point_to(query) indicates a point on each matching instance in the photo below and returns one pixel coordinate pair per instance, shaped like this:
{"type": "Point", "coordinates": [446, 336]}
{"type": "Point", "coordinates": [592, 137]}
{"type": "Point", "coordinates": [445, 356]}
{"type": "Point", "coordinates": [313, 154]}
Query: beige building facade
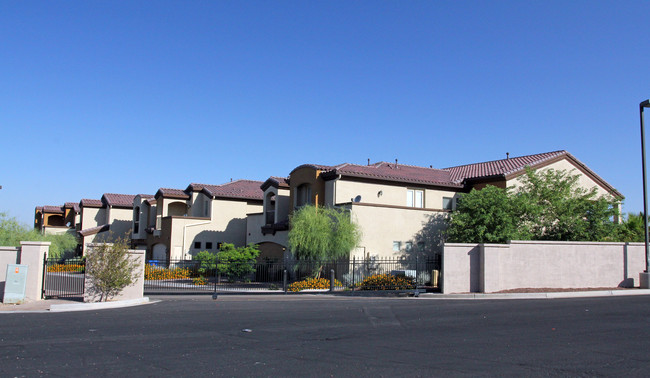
{"type": "Point", "coordinates": [176, 224]}
{"type": "Point", "coordinates": [401, 209]}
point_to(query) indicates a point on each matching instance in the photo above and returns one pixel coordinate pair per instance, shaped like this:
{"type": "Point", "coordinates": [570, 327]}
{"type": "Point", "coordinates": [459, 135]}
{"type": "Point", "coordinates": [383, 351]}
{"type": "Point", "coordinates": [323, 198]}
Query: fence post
{"type": "Point", "coordinates": [43, 277]}
{"type": "Point", "coordinates": [354, 260]}
{"type": "Point", "coordinates": [284, 281]}
{"type": "Point", "coordinates": [417, 271]}
{"type": "Point", "coordinates": [331, 280]}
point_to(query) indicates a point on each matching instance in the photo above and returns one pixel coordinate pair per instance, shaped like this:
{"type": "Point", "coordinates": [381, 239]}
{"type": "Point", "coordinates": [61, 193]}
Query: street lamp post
{"type": "Point", "coordinates": [645, 276]}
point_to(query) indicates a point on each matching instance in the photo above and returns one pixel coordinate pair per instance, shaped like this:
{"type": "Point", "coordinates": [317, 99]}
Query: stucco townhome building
{"type": "Point", "coordinates": [106, 219]}
{"type": "Point", "coordinates": [400, 208]}
{"type": "Point", "coordinates": [57, 219]}
{"type": "Point", "coordinates": [175, 224]}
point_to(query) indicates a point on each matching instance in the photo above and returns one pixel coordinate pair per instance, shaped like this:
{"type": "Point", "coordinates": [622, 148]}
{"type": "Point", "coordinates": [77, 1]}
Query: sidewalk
{"type": "Point", "coordinates": [65, 305]}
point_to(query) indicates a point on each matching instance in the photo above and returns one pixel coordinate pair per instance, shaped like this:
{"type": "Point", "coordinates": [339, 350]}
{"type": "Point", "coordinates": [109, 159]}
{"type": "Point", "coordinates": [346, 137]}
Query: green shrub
{"type": "Point", "coordinates": [207, 262]}
{"type": "Point", "coordinates": [237, 262]}
{"type": "Point", "coordinates": [387, 282]}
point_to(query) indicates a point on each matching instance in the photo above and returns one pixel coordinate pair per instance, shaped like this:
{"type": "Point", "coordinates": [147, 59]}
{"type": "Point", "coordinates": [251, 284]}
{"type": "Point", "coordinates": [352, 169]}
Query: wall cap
{"type": "Point", "coordinates": [36, 243]}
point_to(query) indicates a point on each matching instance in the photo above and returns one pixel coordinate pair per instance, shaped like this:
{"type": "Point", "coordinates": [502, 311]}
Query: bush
{"type": "Point", "coordinates": [110, 269]}
{"type": "Point", "coordinates": [200, 281]}
{"type": "Point", "coordinates": [152, 272]}
{"type": "Point", "coordinates": [387, 282]}
{"type": "Point", "coordinates": [313, 283]}
{"type": "Point", "coordinates": [60, 268]}
{"type": "Point", "coordinates": [207, 262]}
{"type": "Point", "coordinates": [237, 262]}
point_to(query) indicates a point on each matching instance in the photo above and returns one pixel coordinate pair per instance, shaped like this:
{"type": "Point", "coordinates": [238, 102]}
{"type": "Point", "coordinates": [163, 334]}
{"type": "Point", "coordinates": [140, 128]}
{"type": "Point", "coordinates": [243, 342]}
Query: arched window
{"type": "Point", "coordinates": [270, 208]}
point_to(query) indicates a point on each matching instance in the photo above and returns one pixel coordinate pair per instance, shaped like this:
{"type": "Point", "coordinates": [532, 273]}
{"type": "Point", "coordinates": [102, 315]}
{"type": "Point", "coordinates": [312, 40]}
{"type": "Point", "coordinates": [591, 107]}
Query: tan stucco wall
{"type": "Point", "coordinates": [227, 225]}
{"type": "Point", "coordinates": [537, 264]}
{"type": "Point", "coordinates": [394, 195]}
{"type": "Point", "coordinates": [310, 176]}
{"type": "Point", "coordinates": [254, 223]}
{"type": "Point", "coordinates": [381, 226]}
{"type": "Point", "coordinates": [93, 217]}
{"type": "Point", "coordinates": [121, 221]}
{"type": "Point", "coordinates": [564, 165]}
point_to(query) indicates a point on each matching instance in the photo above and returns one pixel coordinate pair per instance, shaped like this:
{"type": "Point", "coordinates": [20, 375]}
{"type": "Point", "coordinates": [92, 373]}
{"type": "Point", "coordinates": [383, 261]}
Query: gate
{"type": "Point", "coordinates": [196, 277]}
{"type": "Point", "coordinates": [63, 278]}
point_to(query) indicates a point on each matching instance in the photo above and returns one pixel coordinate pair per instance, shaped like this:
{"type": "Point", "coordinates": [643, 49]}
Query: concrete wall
{"type": "Point", "coordinates": [381, 226]}
{"type": "Point", "coordinates": [491, 268]}
{"type": "Point", "coordinates": [32, 255]}
{"type": "Point", "coordinates": [133, 291]}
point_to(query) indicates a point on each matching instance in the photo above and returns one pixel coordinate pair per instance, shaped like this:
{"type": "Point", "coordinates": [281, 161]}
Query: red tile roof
{"type": "Point", "coordinates": [396, 172]}
{"type": "Point", "coordinates": [119, 200]}
{"type": "Point", "coordinates": [243, 189]}
{"type": "Point", "coordinates": [52, 209]}
{"type": "Point", "coordinates": [73, 205]}
{"type": "Point", "coordinates": [172, 193]}
{"type": "Point", "coordinates": [91, 203]}
{"type": "Point", "coordinates": [278, 182]}
{"type": "Point", "coordinates": [94, 230]}
{"type": "Point", "coordinates": [503, 167]}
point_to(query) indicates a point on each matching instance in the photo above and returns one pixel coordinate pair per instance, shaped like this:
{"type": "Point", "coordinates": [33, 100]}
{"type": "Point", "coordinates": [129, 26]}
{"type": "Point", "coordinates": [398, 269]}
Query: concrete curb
{"type": "Point", "coordinates": [98, 305]}
{"type": "Point", "coordinates": [550, 295]}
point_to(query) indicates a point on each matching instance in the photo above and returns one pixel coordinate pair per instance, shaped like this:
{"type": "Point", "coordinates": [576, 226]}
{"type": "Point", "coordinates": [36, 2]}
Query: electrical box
{"type": "Point", "coordinates": [15, 284]}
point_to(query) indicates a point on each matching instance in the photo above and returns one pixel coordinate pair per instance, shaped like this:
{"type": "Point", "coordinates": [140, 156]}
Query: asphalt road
{"type": "Point", "coordinates": [334, 336]}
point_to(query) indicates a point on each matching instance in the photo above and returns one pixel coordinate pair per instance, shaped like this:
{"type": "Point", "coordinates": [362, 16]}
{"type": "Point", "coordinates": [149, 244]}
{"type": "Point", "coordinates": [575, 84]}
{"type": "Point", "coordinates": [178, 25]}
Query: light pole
{"type": "Point", "coordinates": [645, 276]}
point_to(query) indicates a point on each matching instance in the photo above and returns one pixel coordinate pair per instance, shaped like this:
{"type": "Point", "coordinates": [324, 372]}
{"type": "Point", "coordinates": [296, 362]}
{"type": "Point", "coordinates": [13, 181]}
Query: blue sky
{"type": "Point", "coordinates": [127, 97]}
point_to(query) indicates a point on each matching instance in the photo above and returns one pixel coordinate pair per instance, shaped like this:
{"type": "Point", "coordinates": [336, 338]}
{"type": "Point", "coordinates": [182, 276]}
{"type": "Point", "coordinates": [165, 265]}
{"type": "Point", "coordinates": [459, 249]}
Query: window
{"type": "Point", "coordinates": [303, 195]}
{"type": "Point", "coordinates": [197, 245]}
{"type": "Point", "coordinates": [208, 245]}
{"type": "Point", "coordinates": [447, 203]}
{"type": "Point", "coordinates": [397, 246]}
{"type": "Point", "coordinates": [414, 198]}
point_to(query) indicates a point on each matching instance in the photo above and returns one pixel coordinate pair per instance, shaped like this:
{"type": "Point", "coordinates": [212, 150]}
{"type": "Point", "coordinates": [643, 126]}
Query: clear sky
{"type": "Point", "coordinates": [130, 96]}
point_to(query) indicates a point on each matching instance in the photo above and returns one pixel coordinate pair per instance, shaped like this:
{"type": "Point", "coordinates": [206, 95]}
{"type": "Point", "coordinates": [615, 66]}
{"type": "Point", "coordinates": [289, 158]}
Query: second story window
{"type": "Point", "coordinates": [303, 195]}
{"type": "Point", "coordinates": [270, 208]}
{"type": "Point", "coordinates": [447, 203]}
{"type": "Point", "coordinates": [415, 198]}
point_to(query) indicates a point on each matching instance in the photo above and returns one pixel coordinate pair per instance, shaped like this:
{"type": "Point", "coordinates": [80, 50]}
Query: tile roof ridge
{"type": "Point", "coordinates": [555, 153]}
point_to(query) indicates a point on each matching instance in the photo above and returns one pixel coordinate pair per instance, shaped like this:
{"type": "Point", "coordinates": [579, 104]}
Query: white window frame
{"type": "Point", "coordinates": [415, 198]}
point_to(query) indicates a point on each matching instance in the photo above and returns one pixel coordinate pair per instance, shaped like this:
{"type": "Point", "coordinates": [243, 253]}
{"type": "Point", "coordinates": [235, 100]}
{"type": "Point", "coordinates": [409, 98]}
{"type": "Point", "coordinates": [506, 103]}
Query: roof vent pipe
{"type": "Point", "coordinates": [395, 163]}
{"type": "Point", "coordinates": [507, 155]}
{"type": "Point", "coordinates": [368, 161]}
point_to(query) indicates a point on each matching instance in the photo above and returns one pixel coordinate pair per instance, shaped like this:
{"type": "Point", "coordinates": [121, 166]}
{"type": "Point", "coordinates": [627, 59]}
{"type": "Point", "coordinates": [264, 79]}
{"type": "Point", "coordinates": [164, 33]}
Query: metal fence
{"type": "Point", "coordinates": [191, 276]}
{"type": "Point", "coordinates": [63, 278]}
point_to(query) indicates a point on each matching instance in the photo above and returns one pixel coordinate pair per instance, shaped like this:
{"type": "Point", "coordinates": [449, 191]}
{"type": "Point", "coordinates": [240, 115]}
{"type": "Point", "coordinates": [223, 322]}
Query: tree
{"type": "Point", "coordinates": [237, 262]}
{"type": "Point", "coordinates": [12, 233]}
{"type": "Point", "coordinates": [548, 205]}
{"type": "Point", "coordinates": [556, 207]}
{"type": "Point", "coordinates": [110, 268]}
{"type": "Point", "coordinates": [486, 216]}
{"type": "Point", "coordinates": [632, 229]}
{"type": "Point", "coordinates": [322, 233]}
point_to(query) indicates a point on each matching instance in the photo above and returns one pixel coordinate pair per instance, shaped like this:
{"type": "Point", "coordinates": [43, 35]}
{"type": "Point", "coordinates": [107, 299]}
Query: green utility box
{"type": "Point", "coordinates": [15, 284]}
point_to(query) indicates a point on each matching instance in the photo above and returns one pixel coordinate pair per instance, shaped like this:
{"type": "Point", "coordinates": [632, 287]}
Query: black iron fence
{"type": "Point", "coordinates": [63, 278]}
{"type": "Point", "coordinates": [191, 276]}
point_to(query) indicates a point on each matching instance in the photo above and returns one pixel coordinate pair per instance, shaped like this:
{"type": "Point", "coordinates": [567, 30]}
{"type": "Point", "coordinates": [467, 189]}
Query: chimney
{"type": "Point", "coordinates": [396, 163]}
{"type": "Point", "coordinates": [507, 155]}
{"type": "Point", "coordinates": [368, 161]}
